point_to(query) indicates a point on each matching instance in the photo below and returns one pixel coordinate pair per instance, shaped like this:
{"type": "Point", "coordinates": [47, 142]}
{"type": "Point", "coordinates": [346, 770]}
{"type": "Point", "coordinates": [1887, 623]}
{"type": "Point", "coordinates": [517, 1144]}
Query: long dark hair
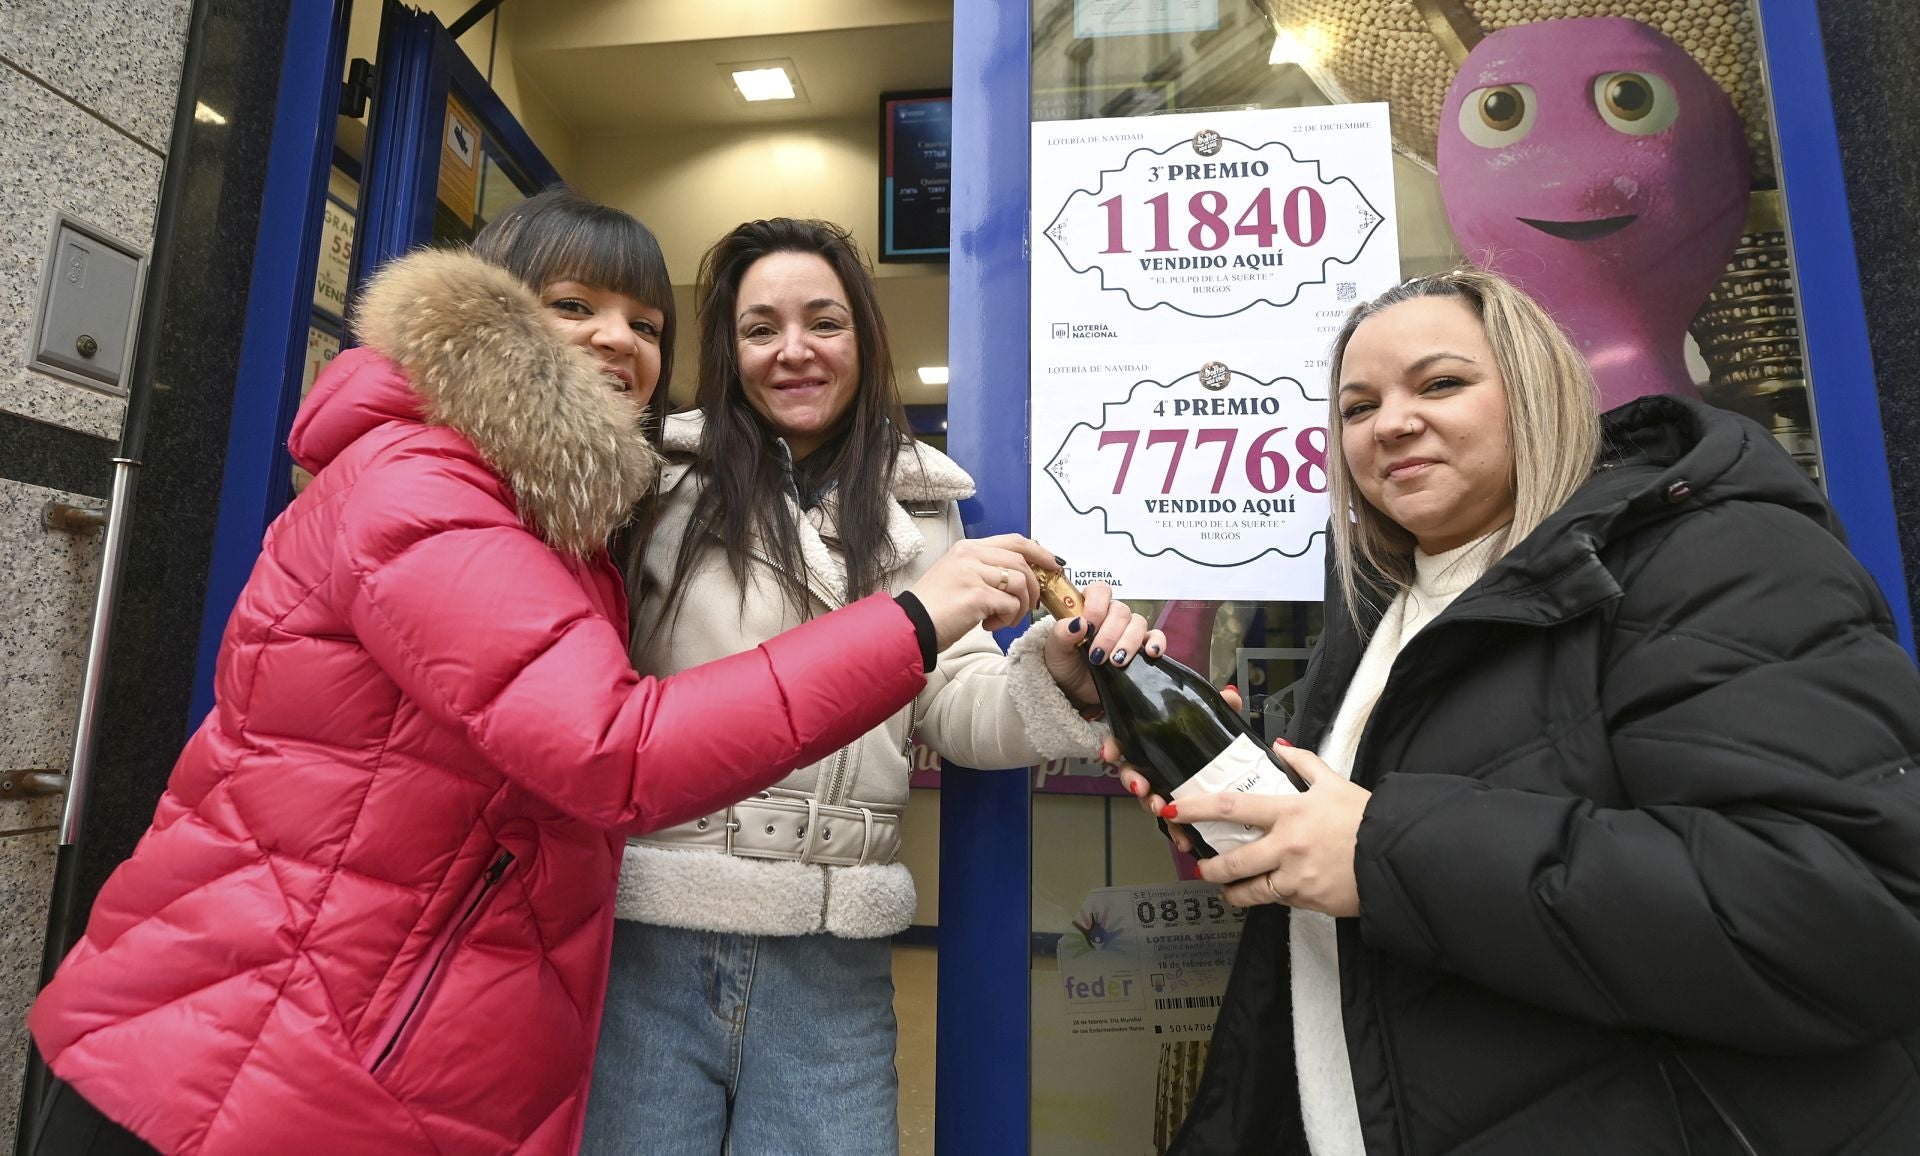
{"type": "Point", "coordinates": [559, 235]}
{"type": "Point", "coordinates": [744, 469]}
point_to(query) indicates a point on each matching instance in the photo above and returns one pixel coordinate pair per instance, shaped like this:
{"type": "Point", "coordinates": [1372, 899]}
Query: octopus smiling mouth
{"type": "Point", "coordinates": [1582, 230]}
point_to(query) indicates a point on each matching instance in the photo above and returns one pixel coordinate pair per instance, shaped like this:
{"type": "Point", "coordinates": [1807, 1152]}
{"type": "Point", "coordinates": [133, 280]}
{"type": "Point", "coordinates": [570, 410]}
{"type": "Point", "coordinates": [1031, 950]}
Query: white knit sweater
{"type": "Point", "coordinates": [1319, 1041]}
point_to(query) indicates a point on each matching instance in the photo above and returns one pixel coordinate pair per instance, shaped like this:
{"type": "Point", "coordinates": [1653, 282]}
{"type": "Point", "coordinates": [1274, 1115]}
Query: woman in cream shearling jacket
{"type": "Point", "coordinates": [831, 861]}
{"type": "Point", "coordinates": [750, 1004]}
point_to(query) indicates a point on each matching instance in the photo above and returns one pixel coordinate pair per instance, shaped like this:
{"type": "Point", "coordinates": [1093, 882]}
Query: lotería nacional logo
{"type": "Point", "coordinates": [1213, 375]}
{"type": "Point", "coordinates": [1078, 329]}
{"type": "Point", "coordinates": [1206, 142]}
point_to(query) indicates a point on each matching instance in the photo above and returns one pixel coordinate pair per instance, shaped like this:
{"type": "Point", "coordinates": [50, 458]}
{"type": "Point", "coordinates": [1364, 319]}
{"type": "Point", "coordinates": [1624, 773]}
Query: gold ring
{"type": "Point", "coordinates": [1005, 577]}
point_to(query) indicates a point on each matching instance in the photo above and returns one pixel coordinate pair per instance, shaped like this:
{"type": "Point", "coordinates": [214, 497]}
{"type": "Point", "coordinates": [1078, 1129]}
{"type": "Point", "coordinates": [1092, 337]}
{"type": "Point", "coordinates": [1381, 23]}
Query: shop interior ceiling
{"type": "Point", "coordinates": [587, 79]}
{"type": "Point", "coordinates": [620, 71]}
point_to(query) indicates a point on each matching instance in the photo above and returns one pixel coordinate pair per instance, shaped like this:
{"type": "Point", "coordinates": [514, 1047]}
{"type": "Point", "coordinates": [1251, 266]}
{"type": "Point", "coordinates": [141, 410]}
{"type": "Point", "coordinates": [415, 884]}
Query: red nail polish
{"type": "Point", "coordinates": [1137, 788]}
{"type": "Point", "coordinates": [1231, 687]}
{"type": "Point", "coordinates": [1170, 811]}
{"type": "Point", "coordinates": [1283, 742]}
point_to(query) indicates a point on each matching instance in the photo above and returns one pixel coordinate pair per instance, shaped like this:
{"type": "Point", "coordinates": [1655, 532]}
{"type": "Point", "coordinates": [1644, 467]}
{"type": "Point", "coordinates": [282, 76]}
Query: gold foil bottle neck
{"type": "Point", "coordinates": [1059, 595]}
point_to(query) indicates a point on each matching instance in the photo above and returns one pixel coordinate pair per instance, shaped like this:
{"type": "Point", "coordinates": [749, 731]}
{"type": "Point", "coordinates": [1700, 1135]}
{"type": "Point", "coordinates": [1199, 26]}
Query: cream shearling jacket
{"type": "Point", "coordinates": [820, 851]}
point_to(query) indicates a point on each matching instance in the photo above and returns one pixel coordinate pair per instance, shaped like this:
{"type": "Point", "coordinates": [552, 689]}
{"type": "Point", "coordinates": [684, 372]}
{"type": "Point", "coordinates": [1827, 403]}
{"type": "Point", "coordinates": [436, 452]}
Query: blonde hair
{"type": "Point", "coordinates": [1553, 426]}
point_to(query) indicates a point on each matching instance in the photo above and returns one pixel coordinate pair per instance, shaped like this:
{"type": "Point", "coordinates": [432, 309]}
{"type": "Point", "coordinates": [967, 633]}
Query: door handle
{"type": "Point", "coordinates": [72, 518]}
{"type": "Point", "coordinates": [32, 784]}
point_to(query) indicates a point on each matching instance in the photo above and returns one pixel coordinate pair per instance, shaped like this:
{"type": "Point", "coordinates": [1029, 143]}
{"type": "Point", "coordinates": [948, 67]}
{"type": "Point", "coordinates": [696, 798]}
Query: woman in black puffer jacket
{"type": "Point", "coordinates": [1613, 838]}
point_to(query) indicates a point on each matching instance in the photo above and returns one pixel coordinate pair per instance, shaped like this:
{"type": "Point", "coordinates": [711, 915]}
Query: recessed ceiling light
{"type": "Point", "coordinates": [758, 80]}
{"type": "Point", "coordinates": [764, 84]}
{"type": "Point", "coordinates": [933, 374]}
{"type": "Point", "coordinates": [206, 115]}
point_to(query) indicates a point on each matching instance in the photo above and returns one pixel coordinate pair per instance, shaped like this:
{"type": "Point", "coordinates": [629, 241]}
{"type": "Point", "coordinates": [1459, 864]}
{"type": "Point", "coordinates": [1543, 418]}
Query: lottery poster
{"type": "Point", "coordinates": [1189, 272]}
{"type": "Point", "coordinates": [1123, 1019]}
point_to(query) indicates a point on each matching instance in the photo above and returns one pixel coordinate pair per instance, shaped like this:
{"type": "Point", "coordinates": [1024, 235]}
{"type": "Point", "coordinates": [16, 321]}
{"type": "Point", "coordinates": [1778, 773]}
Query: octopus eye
{"type": "Point", "coordinates": [1502, 108]}
{"type": "Point", "coordinates": [1637, 103]}
{"type": "Point", "coordinates": [1498, 115]}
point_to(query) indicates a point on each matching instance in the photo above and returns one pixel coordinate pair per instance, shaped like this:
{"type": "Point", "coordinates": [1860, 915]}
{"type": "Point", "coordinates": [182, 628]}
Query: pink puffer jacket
{"type": "Point", "coordinates": [374, 909]}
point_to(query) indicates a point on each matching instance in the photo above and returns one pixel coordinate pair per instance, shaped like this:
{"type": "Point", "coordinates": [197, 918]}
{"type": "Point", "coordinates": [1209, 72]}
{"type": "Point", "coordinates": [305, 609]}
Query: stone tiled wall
{"type": "Point", "coordinates": [87, 96]}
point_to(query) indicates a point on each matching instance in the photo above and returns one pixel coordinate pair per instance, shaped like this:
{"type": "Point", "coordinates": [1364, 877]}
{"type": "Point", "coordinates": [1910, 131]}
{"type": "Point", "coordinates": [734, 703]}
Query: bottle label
{"type": "Point", "coordinates": [1242, 767]}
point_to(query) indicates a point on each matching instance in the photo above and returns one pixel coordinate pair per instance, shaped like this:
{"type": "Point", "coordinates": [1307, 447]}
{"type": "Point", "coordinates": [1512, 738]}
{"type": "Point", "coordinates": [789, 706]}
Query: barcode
{"type": "Point", "coordinates": [1186, 1001]}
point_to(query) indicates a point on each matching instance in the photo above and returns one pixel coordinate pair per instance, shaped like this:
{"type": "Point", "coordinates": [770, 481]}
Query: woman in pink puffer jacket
{"type": "Point", "coordinates": [373, 912]}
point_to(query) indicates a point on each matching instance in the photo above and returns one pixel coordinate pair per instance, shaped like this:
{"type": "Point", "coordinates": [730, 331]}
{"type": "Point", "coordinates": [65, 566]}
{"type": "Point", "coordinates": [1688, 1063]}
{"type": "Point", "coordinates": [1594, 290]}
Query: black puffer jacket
{"type": "Point", "coordinates": [1641, 870]}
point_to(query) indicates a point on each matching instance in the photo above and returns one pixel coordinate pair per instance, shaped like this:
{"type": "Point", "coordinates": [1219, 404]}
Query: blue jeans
{"type": "Point", "coordinates": [745, 1045]}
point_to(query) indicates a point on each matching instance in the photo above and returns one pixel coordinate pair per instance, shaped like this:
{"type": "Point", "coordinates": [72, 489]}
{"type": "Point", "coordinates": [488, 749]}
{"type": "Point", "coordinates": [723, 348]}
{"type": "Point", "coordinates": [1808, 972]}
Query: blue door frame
{"type": "Point", "coordinates": [257, 479]}
{"type": "Point", "coordinates": [418, 64]}
{"type": "Point", "coordinates": [981, 1097]}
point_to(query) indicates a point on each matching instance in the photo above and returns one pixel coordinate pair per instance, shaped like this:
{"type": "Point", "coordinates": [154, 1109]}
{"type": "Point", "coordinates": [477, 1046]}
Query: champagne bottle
{"type": "Point", "coordinates": [1176, 730]}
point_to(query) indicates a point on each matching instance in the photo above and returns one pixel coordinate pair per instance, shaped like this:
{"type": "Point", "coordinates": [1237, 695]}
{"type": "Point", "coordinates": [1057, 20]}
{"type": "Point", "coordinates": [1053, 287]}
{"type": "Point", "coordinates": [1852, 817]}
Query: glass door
{"type": "Point", "coordinates": [1772, 329]}
{"type": "Point", "coordinates": [444, 155]}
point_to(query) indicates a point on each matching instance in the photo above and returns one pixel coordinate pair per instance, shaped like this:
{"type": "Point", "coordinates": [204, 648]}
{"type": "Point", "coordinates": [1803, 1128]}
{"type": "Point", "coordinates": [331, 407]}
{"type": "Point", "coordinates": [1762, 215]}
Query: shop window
{"type": "Point", "coordinates": [1667, 163]}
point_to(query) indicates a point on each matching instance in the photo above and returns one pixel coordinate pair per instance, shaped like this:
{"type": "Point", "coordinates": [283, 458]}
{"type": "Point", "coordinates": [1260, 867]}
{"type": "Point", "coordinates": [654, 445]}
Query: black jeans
{"type": "Point", "coordinates": [69, 1126]}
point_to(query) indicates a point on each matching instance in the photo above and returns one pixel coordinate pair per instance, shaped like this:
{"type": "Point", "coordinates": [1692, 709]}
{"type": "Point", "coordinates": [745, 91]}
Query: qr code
{"type": "Point", "coordinates": [1344, 291]}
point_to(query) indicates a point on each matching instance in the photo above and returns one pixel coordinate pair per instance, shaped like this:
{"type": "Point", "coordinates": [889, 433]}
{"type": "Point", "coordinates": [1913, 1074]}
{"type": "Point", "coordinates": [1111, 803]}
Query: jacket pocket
{"type": "Point", "coordinates": [417, 995]}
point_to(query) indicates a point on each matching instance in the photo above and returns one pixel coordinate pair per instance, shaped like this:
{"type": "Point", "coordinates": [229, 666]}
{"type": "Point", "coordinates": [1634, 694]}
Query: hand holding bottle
{"type": "Point", "coordinates": [1305, 858]}
{"type": "Point", "coordinates": [1103, 630]}
{"type": "Point", "coordinates": [1141, 789]}
{"type": "Point", "coordinates": [1177, 731]}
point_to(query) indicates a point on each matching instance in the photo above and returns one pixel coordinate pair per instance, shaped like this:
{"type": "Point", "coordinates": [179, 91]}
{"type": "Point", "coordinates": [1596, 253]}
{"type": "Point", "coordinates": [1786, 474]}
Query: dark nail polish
{"type": "Point", "coordinates": [1059, 561]}
{"type": "Point", "coordinates": [1095, 655]}
{"type": "Point", "coordinates": [1154, 652]}
{"type": "Point", "coordinates": [1073, 627]}
{"type": "Point", "coordinates": [1120, 657]}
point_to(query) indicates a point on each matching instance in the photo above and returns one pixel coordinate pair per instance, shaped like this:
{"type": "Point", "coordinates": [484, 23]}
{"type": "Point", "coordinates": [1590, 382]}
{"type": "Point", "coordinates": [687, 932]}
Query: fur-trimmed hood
{"type": "Point", "coordinates": [479, 358]}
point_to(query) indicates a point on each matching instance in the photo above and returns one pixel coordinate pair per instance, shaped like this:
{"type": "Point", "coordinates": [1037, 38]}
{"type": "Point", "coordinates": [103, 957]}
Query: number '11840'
{"type": "Point", "coordinates": [1303, 215]}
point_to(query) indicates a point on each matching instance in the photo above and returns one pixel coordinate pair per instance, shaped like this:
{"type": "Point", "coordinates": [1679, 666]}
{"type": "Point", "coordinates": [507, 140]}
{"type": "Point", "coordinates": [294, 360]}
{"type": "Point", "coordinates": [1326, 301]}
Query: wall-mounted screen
{"type": "Point", "coordinates": [916, 147]}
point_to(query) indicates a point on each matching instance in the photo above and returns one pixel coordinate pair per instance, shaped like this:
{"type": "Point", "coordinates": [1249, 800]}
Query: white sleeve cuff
{"type": "Point", "coordinates": [1053, 723]}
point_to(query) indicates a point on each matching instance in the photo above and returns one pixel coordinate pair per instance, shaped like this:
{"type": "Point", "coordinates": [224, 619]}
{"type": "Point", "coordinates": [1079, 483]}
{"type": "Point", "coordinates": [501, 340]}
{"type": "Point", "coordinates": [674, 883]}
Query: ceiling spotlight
{"type": "Point", "coordinates": [206, 115]}
{"type": "Point", "coordinates": [932, 374]}
{"type": "Point", "coordinates": [764, 84]}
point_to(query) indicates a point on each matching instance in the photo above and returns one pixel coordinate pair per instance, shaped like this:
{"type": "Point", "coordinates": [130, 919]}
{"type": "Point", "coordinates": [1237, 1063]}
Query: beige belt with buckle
{"type": "Point", "coordinates": [794, 830]}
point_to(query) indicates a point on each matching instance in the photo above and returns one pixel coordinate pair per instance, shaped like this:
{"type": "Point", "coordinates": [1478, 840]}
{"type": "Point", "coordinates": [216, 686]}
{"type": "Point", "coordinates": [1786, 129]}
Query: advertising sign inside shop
{"type": "Point", "coordinates": [460, 162]}
{"type": "Point", "coordinates": [1188, 274]}
{"type": "Point", "coordinates": [1148, 960]}
{"type": "Point", "coordinates": [334, 269]}
{"type": "Point", "coordinates": [1137, 982]}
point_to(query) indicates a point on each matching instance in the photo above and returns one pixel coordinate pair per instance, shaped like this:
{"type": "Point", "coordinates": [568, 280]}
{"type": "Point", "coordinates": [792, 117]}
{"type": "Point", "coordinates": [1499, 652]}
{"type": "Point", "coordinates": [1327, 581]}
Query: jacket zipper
{"type": "Point", "coordinates": [1719, 1109]}
{"type": "Point", "coordinates": [415, 995]}
{"type": "Point", "coordinates": [839, 778]}
{"type": "Point", "coordinates": [830, 601]}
